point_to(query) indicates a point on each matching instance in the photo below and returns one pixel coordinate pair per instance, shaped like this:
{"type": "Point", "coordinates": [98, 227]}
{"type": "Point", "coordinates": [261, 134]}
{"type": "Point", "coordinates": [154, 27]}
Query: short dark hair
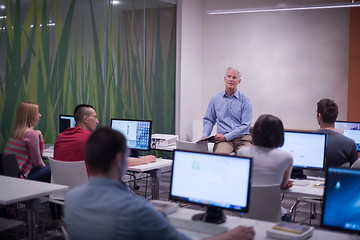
{"type": "Point", "coordinates": [102, 147]}
{"type": "Point", "coordinates": [328, 109]}
{"type": "Point", "coordinates": [80, 110]}
{"type": "Point", "coordinates": [268, 131]}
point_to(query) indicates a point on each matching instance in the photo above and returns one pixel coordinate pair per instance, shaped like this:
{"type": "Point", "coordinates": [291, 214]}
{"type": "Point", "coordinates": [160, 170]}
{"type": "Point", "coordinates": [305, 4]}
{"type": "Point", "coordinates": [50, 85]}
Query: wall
{"type": "Point", "coordinates": [354, 66]}
{"type": "Point", "coordinates": [190, 63]}
{"type": "Point", "coordinates": [289, 60]}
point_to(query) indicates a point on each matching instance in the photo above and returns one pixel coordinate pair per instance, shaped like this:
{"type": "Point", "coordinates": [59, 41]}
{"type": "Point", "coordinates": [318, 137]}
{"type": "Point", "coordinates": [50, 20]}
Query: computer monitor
{"type": "Point", "coordinates": [341, 210]}
{"type": "Point", "coordinates": [307, 148]}
{"type": "Point", "coordinates": [137, 132]}
{"type": "Point", "coordinates": [66, 121]}
{"type": "Point", "coordinates": [212, 180]}
{"type": "Point", "coordinates": [350, 130]}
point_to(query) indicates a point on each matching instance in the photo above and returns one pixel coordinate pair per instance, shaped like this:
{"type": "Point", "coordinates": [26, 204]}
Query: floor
{"type": "Point", "coordinates": [49, 229]}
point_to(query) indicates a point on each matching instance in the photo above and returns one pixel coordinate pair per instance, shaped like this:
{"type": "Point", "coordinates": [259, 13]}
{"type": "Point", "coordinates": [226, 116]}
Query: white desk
{"type": "Point", "coordinates": [48, 151]}
{"type": "Point", "coordinates": [155, 170]}
{"type": "Point", "coordinates": [260, 227]}
{"type": "Point", "coordinates": [309, 190]}
{"type": "Point", "coordinates": [13, 190]}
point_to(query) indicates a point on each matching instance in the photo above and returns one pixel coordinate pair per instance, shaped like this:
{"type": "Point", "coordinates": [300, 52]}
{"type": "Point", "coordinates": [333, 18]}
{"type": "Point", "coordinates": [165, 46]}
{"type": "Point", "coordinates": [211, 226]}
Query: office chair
{"type": "Point", "coordinates": [265, 203]}
{"type": "Point", "coordinates": [71, 174]}
{"type": "Point", "coordinates": [9, 166]}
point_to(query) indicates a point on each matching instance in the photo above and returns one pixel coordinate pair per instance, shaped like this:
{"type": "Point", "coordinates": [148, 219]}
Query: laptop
{"type": "Point", "coordinates": [192, 146]}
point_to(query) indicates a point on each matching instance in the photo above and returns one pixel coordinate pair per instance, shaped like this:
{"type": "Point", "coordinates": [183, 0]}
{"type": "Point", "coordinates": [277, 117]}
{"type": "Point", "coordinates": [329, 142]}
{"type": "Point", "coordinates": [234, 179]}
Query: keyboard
{"type": "Point", "coordinates": [198, 226]}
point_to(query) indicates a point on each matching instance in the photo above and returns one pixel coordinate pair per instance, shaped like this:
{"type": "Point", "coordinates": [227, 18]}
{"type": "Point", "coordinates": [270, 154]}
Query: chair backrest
{"type": "Point", "coordinates": [9, 165]}
{"type": "Point", "coordinates": [192, 146]}
{"type": "Point", "coordinates": [71, 174]}
{"type": "Point", "coordinates": [356, 164]}
{"type": "Point", "coordinates": [265, 203]}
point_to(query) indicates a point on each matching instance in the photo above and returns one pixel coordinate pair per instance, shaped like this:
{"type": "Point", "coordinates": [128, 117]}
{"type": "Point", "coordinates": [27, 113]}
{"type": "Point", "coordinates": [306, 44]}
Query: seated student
{"type": "Point", "coordinates": [70, 144]}
{"type": "Point", "coordinates": [339, 149]}
{"type": "Point", "coordinates": [270, 164]}
{"type": "Point", "coordinates": [27, 144]}
{"type": "Point", "coordinates": [105, 209]}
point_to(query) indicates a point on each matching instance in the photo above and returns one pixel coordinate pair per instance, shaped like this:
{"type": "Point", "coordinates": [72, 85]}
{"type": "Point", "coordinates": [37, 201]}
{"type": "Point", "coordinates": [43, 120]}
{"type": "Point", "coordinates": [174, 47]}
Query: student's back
{"type": "Point", "coordinates": [339, 149]}
{"type": "Point", "coordinates": [269, 164]}
{"type": "Point", "coordinates": [113, 213]}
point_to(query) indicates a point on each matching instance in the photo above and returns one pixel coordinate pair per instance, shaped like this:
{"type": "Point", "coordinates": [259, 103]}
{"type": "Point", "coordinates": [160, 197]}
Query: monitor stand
{"type": "Point", "coordinates": [298, 174]}
{"type": "Point", "coordinates": [134, 153]}
{"type": "Point", "coordinates": [212, 215]}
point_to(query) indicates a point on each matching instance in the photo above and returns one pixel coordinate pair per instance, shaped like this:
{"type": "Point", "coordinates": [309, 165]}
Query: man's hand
{"type": "Point", "coordinates": [242, 232]}
{"type": "Point", "coordinates": [238, 233]}
{"type": "Point", "coordinates": [148, 159]}
{"type": "Point", "coordinates": [219, 138]}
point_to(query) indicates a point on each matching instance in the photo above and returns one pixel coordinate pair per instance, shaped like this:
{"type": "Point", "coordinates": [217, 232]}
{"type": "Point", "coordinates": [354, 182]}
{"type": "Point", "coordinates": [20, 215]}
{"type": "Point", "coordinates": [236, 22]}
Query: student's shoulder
{"type": "Point", "coordinates": [31, 134]}
{"type": "Point", "coordinates": [281, 154]}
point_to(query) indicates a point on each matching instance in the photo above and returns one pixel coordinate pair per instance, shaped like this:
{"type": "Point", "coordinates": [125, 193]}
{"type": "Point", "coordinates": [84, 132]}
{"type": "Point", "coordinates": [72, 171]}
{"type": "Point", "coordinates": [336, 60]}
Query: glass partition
{"type": "Point", "coordinates": [118, 56]}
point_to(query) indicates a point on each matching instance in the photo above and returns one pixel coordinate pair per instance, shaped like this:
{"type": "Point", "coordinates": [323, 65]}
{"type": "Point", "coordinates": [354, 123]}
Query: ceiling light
{"type": "Point", "coordinates": [114, 2]}
{"type": "Point", "coordinates": [293, 8]}
{"type": "Point", "coordinates": [2, 17]}
{"type": "Point", "coordinates": [2, 6]}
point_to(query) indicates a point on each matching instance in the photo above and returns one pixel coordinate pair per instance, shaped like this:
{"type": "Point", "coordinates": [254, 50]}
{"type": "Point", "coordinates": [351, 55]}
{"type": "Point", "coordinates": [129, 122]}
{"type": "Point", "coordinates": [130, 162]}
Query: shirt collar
{"type": "Point", "coordinates": [236, 95]}
{"type": "Point", "coordinates": [106, 181]}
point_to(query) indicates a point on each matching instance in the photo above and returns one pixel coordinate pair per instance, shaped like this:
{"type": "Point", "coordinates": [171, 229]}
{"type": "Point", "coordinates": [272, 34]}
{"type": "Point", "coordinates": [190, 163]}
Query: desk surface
{"type": "Point", "coordinates": [260, 227]}
{"type": "Point", "coordinates": [16, 190]}
{"type": "Point", "coordinates": [159, 164]}
{"type": "Point", "coordinates": [310, 188]}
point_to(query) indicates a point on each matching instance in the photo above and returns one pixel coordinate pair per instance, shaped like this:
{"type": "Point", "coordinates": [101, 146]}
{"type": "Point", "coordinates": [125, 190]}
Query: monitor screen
{"type": "Point", "coordinates": [350, 130]}
{"type": "Point", "coordinates": [307, 148]}
{"type": "Point", "coordinates": [341, 210]}
{"type": "Point", "coordinates": [211, 179]}
{"type": "Point", "coordinates": [137, 132]}
{"type": "Point", "coordinates": [66, 121]}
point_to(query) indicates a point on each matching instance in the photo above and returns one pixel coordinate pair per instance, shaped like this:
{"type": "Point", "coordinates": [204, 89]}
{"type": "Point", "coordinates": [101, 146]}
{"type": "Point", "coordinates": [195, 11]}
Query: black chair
{"type": "Point", "coordinates": [9, 166]}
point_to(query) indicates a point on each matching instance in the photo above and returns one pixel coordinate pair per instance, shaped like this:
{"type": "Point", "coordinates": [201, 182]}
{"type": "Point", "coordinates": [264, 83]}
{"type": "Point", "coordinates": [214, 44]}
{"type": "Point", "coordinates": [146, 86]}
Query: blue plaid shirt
{"type": "Point", "coordinates": [233, 115]}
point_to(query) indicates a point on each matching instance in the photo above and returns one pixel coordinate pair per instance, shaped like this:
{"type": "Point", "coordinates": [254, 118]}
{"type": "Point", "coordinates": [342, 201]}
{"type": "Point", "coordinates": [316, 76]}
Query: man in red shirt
{"type": "Point", "coordinates": [70, 144]}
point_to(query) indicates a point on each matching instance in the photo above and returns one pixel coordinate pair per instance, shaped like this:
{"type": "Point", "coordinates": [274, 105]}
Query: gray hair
{"type": "Point", "coordinates": [232, 68]}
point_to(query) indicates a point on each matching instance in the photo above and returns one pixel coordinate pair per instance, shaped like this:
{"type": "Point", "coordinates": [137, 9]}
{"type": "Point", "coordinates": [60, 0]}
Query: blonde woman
{"type": "Point", "coordinates": [27, 144]}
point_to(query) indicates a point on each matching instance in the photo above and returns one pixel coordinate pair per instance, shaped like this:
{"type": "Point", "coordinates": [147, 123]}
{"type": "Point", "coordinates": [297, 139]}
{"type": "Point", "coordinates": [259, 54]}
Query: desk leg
{"type": "Point", "coordinates": [155, 180]}
{"type": "Point", "coordinates": [32, 211]}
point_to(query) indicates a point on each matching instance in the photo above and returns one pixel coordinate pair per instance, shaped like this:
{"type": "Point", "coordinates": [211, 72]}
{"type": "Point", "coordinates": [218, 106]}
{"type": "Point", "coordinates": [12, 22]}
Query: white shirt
{"type": "Point", "coordinates": [269, 164]}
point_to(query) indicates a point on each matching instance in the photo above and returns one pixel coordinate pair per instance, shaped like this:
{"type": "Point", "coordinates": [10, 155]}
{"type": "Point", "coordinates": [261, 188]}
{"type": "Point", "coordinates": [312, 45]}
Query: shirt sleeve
{"type": "Point", "coordinates": [33, 141]}
{"type": "Point", "coordinates": [209, 119]}
{"type": "Point", "coordinates": [153, 225]}
{"type": "Point", "coordinates": [246, 118]}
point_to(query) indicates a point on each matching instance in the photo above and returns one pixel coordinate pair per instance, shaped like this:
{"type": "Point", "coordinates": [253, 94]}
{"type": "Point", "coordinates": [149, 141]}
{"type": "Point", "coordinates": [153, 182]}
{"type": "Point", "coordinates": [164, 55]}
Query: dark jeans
{"type": "Point", "coordinates": [40, 174]}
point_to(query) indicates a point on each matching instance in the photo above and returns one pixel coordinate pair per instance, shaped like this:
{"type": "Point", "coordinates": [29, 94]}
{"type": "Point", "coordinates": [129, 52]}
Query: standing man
{"type": "Point", "coordinates": [105, 209]}
{"type": "Point", "coordinates": [232, 111]}
{"type": "Point", "coordinates": [339, 149]}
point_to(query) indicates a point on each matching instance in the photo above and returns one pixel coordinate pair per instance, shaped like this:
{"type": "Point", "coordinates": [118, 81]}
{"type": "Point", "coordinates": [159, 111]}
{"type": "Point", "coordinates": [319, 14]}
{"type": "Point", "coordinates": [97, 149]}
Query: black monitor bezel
{"type": "Point", "coordinates": [325, 143]}
{"type": "Point", "coordinates": [136, 120]}
{"type": "Point", "coordinates": [179, 199]}
{"type": "Point", "coordinates": [357, 149]}
{"type": "Point", "coordinates": [64, 115]}
{"type": "Point", "coordinates": [324, 204]}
